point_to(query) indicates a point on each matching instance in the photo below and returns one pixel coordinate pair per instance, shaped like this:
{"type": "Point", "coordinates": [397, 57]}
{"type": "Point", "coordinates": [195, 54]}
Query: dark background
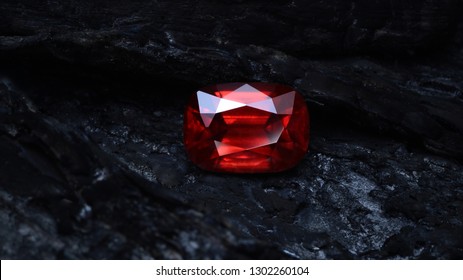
{"type": "Point", "coordinates": [92, 164]}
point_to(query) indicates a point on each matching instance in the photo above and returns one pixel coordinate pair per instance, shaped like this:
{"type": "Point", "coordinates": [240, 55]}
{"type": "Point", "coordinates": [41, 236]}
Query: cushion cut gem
{"type": "Point", "coordinates": [246, 128]}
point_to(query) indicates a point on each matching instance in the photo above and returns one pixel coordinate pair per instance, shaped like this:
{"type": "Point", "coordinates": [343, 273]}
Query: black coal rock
{"type": "Point", "coordinates": [91, 157]}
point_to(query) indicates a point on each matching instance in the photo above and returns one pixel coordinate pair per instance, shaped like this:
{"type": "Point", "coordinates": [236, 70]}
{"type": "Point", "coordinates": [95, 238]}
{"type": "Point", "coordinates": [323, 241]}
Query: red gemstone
{"type": "Point", "coordinates": [246, 128]}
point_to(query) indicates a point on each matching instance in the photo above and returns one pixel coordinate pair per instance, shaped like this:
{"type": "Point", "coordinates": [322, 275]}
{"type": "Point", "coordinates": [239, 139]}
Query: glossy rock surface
{"type": "Point", "coordinates": [246, 128]}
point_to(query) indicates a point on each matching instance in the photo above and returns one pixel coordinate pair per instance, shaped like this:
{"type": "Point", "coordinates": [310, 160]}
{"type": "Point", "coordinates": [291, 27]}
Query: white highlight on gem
{"type": "Point", "coordinates": [227, 105]}
{"type": "Point", "coordinates": [209, 105]}
{"type": "Point", "coordinates": [284, 103]}
{"type": "Point", "coordinates": [264, 105]}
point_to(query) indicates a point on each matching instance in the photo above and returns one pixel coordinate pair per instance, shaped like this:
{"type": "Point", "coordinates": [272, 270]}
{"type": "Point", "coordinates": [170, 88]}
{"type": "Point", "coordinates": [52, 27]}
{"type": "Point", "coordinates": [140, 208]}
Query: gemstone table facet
{"type": "Point", "coordinates": [246, 128]}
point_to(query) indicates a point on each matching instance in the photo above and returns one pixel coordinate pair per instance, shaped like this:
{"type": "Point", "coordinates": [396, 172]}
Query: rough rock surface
{"type": "Point", "coordinates": [91, 102]}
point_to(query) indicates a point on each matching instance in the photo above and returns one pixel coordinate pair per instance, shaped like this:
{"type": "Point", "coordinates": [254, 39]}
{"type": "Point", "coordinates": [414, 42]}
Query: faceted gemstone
{"type": "Point", "coordinates": [246, 128]}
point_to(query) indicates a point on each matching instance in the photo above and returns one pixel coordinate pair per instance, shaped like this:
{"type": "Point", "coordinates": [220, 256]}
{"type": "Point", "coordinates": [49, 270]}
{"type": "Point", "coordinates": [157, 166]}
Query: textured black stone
{"type": "Point", "coordinates": [91, 157]}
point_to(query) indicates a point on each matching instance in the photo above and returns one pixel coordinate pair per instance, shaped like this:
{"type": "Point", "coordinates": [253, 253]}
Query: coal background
{"type": "Point", "coordinates": [91, 158]}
